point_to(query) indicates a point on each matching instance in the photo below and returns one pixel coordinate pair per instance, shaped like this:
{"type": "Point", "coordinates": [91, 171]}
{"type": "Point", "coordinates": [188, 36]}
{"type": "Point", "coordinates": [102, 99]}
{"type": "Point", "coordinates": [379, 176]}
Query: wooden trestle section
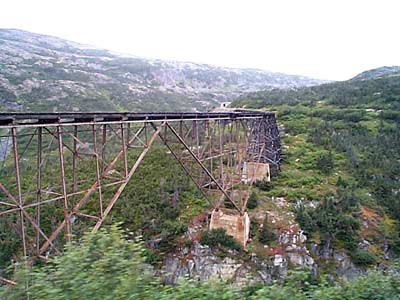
{"type": "Point", "coordinates": [42, 157]}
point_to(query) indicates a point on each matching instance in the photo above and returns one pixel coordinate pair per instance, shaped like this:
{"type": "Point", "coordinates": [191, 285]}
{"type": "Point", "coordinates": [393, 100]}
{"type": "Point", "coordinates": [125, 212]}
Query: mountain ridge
{"type": "Point", "coordinates": [377, 73]}
{"type": "Point", "coordinates": [371, 89]}
{"type": "Point", "coordinates": [39, 72]}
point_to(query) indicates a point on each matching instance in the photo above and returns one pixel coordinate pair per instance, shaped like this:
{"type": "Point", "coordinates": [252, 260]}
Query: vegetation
{"type": "Point", "coordinates": [157, 204]}
{"type": "Point", "coordinates": [374, 93]}
{"type": "Point", "coordinates": [253, 200]}
{"type": "Point", "coordinates": [333, 218]}
{"type": "Point", "coordinates": [364, 258]}
{"type": "Point", "coordinates": [342, 161]}
{"type": "Point", "coordinates": [217, 238]}
{"type": "Point", "coordinates": [266, 233]}
{"type": "Point", "coordinates": [106, 265]}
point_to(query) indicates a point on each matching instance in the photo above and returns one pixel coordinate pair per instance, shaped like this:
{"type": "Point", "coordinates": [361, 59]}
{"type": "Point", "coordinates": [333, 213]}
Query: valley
{"type": "Point", "coordinates": [326, 226]}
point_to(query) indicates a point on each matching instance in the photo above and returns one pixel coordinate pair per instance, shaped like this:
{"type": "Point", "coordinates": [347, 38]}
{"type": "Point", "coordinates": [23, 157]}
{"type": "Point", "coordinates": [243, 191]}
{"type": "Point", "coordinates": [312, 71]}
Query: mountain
{"type": "Point", "coordinates": [374, 89]}
{"type": "Point", "coordinates": [378, 72]}
{"type": "Point", "coordinates": [42, 73]}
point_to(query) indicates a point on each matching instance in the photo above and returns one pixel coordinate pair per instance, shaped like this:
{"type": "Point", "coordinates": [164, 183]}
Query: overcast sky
{"type": "Point", "coordinates": [326, 39]}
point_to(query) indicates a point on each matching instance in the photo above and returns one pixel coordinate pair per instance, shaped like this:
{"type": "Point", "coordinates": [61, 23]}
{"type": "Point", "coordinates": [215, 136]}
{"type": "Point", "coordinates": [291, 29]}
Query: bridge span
{"type": "Point", "coordinates": [76, 165]}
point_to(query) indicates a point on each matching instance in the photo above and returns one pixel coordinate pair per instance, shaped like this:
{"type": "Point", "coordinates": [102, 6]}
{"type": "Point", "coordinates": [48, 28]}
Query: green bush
{"type": "Point", "coordinates": [218, 238]}
{"type": "Point", "coordinates": [263, 185]}
{"type": "Point", "coordinates": [325, 163]}
{"type": "Point", "coordinates": [363, 258]}
{"type": "Point", "coordinates": [266, 234]}
{"type": "Point", "coordinates": [107, 266]}
{"type": "Point", "coordinates": [253, 201]}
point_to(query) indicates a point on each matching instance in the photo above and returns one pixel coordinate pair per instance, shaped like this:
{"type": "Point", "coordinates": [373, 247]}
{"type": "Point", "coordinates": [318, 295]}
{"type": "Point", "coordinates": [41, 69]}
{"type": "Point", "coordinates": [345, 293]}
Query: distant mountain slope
{"type": "Point", "coordinates": [378, 72]}
{"type": "Point", "coordinates": [39, 72]}
{"type": "Point", "coordinates": [377, 92]}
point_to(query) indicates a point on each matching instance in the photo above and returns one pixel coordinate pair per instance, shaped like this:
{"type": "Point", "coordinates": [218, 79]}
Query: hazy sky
{"type": "Point", "coordinates": [327, 39]}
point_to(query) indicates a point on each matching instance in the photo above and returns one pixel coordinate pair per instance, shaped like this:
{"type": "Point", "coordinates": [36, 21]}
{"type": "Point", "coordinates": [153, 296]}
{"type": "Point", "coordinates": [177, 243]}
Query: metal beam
{"type": "Point", "coordinates": [210, 147]}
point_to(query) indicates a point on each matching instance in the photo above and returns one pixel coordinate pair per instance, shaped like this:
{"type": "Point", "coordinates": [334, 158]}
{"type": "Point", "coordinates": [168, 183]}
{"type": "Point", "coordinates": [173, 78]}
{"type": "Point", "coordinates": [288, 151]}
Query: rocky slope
{"type": "Point", "coordinates": [378, 73]}
{"type": "Point", "coordinates": [265, 263]}
{"type": "Point", "coordinates": [44, 73]}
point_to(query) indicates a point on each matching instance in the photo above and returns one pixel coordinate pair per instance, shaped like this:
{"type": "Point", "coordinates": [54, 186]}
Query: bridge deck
{"type": "Point", "coordinates": [47, 118]}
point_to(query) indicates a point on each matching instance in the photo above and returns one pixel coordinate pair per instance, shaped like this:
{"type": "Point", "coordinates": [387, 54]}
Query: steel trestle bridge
{"type": "Point", "coordinates": [76, 165]}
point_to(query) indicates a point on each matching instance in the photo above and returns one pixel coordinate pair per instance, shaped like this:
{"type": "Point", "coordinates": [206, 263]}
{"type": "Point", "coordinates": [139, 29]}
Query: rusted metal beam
{"type": "Point", "coordinates": [211, 148]}
{"type": "Point", "coordinates": [125, 158]}
{"type": "Point", "coordinates": [63, 186]}
{"type": "Point", "coordinates": [87, 194]}
{"type": "Point", "coordinates": [24, 213]}
{"type": "Point", "coordinates": [19, 192]}
{"type": "Point", "coordinates": [74, 159]}
{"type": "Point", "coordinates": [203, 167]}
{"type": "Point", "coordinates": [7, 281]}
{"type": "Point", "coordinates": [178, 158]}
{"type": "Point", "coordinates": [131, 172]}
{"type": "Point", "coordinates": [38, 186]}
{"type": "Point", "coordinates": [71, 117]}
{"type": "Point", "coordinates": [96, 158]}
{"type": "Point", "coordinates": [103, 147]}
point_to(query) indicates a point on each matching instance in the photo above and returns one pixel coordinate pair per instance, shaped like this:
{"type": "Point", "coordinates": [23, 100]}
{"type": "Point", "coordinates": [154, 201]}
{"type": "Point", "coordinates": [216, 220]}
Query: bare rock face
{"type": "Point", "coordinates": [201, 262]}
{"type": "Point", "coordinates": [203, 265]}
{"type": "Point", "coordinates": [270, 261]}
{"type": "Point", "coordinates": [345, 267]}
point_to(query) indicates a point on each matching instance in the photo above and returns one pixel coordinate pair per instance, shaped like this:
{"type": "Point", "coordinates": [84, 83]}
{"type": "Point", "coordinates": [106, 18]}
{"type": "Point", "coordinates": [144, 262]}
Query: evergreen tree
{"type": "Point", "coordinates": [253, 200]}
{"type": "Point", "coordinates": [266, 234]}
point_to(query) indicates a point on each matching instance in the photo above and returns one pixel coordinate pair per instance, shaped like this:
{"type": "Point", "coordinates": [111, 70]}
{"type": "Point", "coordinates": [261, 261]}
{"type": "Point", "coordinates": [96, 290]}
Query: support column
{"type": "Point", "coordinates": [74, 159]}
{"type": "Point", "coordinates": [124, 151]}
{"type": "Point", "coordinates": [38, 186]}
{"type": "Point", "coordinates": [63, 185]}
{"type": "Point", "coordinates": [103, 148]}
{"type": "Point", "coordinates": [18, 180]}
{"type": "Point", "coordinates": [96, 157]}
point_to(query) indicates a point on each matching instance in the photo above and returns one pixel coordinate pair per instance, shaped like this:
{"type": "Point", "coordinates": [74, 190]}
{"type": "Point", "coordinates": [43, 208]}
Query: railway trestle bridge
{"type": "Point", "coordinates": [45, 160]}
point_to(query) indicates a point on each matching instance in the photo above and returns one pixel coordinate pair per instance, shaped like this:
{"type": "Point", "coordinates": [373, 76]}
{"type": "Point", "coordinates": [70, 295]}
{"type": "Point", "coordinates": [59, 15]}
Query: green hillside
{"type": "Point", "coordinates": [342, 162]}
{"type": "Point", "coordinates": [375, 93]}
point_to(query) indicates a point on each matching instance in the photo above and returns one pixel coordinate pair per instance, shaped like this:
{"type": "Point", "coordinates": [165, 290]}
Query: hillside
{"type": "Point", "coordinates": [44, 73]}
{"type": "Point", "coordinates": [376, 73]}
{"type": "Point", "coordinates": [333, 209]}
{"type": "Point", "coordinates": [375, 93]}
{"type": "Point", "coordinates": [341, 172]}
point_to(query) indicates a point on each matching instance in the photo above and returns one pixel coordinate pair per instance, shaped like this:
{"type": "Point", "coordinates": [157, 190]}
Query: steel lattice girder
{"type": "Point", "coordinates": [211, 148]}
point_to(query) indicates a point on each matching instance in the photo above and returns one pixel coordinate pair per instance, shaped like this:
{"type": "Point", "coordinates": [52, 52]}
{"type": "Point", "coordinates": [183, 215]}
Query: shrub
{"type": "Point", "coordinates": [218, 238]}
{"type": "Point", "coordinates": [263, 185]}
{"type": "Point", "coordinates": [103, 264]}
{"type": "Point", "coordinates": [266, 234]}
{"type": "Point", "coordinates": [325, 163]}
{"type": "Point", "coordinates": [253, 201]}
{"type": "Point", "coordinates": [306, 222]}
{"type": "Point", "coordinates": [254, 230]}
{"type": "Point", "coordinates": [363, 258]}
{"type": "Point", "coordinates": [107, 266]}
